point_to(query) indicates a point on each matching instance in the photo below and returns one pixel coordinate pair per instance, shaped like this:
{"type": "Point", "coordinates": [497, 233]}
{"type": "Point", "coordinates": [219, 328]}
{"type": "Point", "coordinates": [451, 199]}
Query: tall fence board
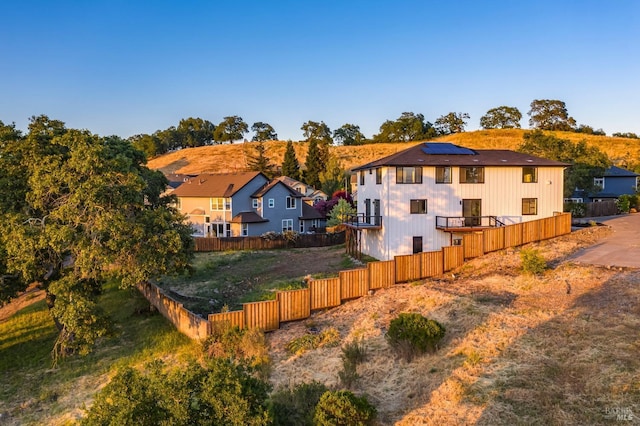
{"type": "Point", "coordinates": [233, 318]}
{"type": "Point", "coordinates": [325, 293]}
{"type": "Point", "coordinates": [473, 245]}
{"type": "Point", "coordinates": [493, 239]}
{"type": "Point", "coordinates": [330, 292]}
{"type": "Point", "coordinates": [453, 257]}
{"type": "Point", "coordinates": [530, 231]}
{"type": "Point", "coordinates": [432, 264]}
{"type": "Point", "coordinates": [262, 315]}
{"type": "Point", "coordinates": [294, 304]}
{"type": "Point", "coordinates": [381, 274]}
{"type": "Point", "coordinates": [354, 283]}
{"type": "Point", "coordinates": [513, 235]}
{"type": "Point", "coordinates": [408, 267]}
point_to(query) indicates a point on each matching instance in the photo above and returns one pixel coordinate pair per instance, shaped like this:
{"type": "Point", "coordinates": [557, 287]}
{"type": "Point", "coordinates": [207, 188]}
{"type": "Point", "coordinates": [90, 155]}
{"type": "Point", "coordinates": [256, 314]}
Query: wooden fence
{"type": "Point", "coordinates": [331, 292]}
{"type": "Point", "coordinates": [259, 243]}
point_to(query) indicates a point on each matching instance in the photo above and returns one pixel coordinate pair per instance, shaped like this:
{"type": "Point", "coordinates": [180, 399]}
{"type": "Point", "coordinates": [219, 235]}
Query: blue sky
{"type": "Point", "coordinates": [128, 67]}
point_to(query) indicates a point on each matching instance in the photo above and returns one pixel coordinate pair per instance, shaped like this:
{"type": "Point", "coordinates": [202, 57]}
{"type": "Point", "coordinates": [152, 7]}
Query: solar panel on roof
{"type": "Point", "coordinates": [445, 148]}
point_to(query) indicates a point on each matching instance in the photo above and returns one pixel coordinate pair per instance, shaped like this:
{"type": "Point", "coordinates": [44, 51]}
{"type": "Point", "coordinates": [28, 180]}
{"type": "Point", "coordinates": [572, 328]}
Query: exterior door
{"type": "Point", "coordinates": [376, 212]}
{"type": "Point", "coordinates": [472, 210]}
{"type": "Point", "coordinates": [367, 210]}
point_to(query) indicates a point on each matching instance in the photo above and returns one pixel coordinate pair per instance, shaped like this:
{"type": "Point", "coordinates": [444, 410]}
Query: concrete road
{"type": "Point", "coordinates": [621, 248]}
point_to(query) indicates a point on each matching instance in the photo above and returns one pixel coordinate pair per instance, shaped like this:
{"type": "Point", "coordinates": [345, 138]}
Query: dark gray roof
{"type": "Point", "coordinates": [423, 155]}
{"type": "Point", "coordinates": [216, 185]}
{"type": "Point", "coordinates": [308, 213]}
{"type": "Point", "coordinates": [614, 171]}
{"type": "Point", "coordinates": [262, 191]}
{"type": "Point", "coordinates": [248, 217]}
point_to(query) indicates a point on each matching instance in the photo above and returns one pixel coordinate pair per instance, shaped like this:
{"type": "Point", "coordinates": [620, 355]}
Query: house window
{"type": "Point", "coordinates": [418, 206]}
{"type": "Point", "coordinates": [378, 175]}
{"type": "Point", "coordinates": [529, 175]}
{"type": "Point", "coordinates": [287, 225]}
{"type": "Point", "coordinates": [443, 174]}
{"type": "Point", "coordinates": [599, 182]}
{"type": "Point", "coordinates": [291, 203]}
{"type": "Point", "coordinates": [272, 203]}
{"type": "Point", "coordinates": [529, 206]}
{"type": "Point", "coordinates": [302, 226]}
{"type": "Point", "coordinates": [361, 177]}
{"type": "Point", "coordinates": [408, 174]}
{"type": "Point", "coordinates": [471, 174]}
{"type": "Point", "coordinates": [178, 203]}
{"type": "Point", "coordinates": [256, 203]}
{"type": "Point", "coordinates": [219, 203]}
{"type": "Point", "coordinates": [417, 245]}
{"type": "Point", "coordinates": [245, 229]}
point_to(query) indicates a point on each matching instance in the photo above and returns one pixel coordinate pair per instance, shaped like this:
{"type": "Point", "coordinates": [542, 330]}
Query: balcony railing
{"type": "Point", "coordinates": [457, 222]}
{"type": "Point", "coordinates": [360, 220]}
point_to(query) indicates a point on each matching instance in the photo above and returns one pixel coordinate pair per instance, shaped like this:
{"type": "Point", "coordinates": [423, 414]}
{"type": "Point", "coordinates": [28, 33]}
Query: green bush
{"type": "Point", "coordinates": [623, 203]}
{"type": "Point", "coordinates": [576, 209]}
{"type": "Point", "coordinates": [411, 334]}
{"type": "Point", "coordinates": [337, 408]}
{"type": "Point", "coordinates": [247, 345]}
{"type": "Point", "coordinates": [329, 338]}
{"type": "Point", "coordinates": [532, 262]}
{"type": "Point", "coordinates": [221, 393]}
{"type": "Point", "coordinates": [295, 407]}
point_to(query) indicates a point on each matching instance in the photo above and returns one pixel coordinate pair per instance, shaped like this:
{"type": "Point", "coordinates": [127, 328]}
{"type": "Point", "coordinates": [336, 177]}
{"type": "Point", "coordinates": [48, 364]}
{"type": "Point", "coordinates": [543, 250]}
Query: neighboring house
{"type": "Point", "coordinates": [242, 204]}
{"type": "Point", "coordinates": [614, 183]}
{"type": "Point", "coordinates": [175, 180]}
{"type": "Point", "coordinates": [311, 194]}
{"type": "Point", "coordinates": [427, 196]}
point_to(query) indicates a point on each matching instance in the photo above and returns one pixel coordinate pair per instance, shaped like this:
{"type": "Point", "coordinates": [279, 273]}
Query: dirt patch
{"type": "Point", "coordinates": [33, 294]}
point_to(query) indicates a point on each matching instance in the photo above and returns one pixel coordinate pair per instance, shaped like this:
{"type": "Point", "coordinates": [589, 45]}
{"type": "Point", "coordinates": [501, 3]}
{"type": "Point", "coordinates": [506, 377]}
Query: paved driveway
{"type": "Point", "coordinates": [621, 248]}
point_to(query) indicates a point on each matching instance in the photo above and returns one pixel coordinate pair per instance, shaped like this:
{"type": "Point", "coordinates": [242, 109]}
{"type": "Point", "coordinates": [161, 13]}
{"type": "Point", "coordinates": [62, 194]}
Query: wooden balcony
{"type": "Point", "coordinates": [466, 224]}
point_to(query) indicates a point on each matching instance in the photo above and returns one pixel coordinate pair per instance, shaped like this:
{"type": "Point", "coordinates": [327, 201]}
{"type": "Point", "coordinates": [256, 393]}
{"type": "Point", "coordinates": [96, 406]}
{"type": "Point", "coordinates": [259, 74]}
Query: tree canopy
{"type": "Point", "coordinates": [258, 160]}
{"type": "Point", "coordinates": [84, 209]}
{"type": "Point", "coordinates": [290, 164]}
{"type": "Point", "coordinates": [502, 117]}
{"type": "Point", "coordinates": [408, 127]}
{"type": "Point", "coordinates": [550, 114]}
{"type": "Point", "coordinates": [319, 132]}
{"type": "Point", "coordinates": [349, 134]}
{"type": "Point", "coordinates": [454, 122]}
{"type": "Point", "coordinates": [586, 161]}
{"type": "Point", "coordinates": [264, 132]}
{"type": "Point", "coordinates": [195, 132]}
{"type": "Point", "coordinates": [230, 129]}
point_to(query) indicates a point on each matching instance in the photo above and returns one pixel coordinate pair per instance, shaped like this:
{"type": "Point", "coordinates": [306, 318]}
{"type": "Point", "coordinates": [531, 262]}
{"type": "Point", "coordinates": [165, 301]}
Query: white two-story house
{"type": "Point", "coordinates": [425, 197]}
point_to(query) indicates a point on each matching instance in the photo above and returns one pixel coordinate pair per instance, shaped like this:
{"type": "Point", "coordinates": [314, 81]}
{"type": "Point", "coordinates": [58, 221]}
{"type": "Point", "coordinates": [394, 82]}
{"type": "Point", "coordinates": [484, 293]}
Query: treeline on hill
{"type": "Point", "coordinates": [545, 114]}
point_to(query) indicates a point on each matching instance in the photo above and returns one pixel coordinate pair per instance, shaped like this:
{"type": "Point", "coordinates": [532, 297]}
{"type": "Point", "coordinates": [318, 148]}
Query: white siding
{"type": "Point", "coordinates": [501, 194]}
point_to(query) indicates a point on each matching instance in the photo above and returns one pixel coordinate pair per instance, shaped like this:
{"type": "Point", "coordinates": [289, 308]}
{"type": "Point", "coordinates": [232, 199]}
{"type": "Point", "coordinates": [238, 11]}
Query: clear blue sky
{"type": "Point", "coordinates": [126, 67]}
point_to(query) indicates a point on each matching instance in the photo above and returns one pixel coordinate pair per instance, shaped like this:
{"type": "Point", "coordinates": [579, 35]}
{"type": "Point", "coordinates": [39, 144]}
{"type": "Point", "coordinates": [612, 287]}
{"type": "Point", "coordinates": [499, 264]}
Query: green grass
{"type": "Point", "coordinates": [33, 389]}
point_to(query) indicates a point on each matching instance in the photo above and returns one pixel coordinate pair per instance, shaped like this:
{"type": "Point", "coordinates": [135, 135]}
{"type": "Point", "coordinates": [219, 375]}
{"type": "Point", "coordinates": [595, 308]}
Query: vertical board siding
{"type": "Point", "coordinates": [530, 231]}
{"type": "Point", "coordinates": [233, 318]}
{"type": "Point", "coordinates": [493, 239]}
{"type": "Point", "coordinates": [262, 315]}
{"type": "Point", "coordinates": [432, 264]}
{"type": "Point", "coordinates": [407, 267]}
{"type": "Point", "coordinates": [473, 245]}
{"type": "Point", "coordinates": [325, 293]}
{"type": "Point", "coordinates": [513, 235]}
{"type": "Point", "coordinates": [354, 283]}
{"type": "Point", "coordinates": [453, 257]}
{"type": "Point", "coordinates": [381, 274]}
{"type": "Point", "coordinates": [294, 304]}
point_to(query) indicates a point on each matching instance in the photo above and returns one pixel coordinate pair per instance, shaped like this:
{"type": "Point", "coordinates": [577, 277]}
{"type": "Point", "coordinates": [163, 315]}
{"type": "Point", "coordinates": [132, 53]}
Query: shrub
{"type": "Point", "coordinates": [329, 337]}
{"type": "Point", "coordinates": [623, 203]}
{"type": "Point", "coordinates": [353, 353]}
{"type": "Point", "coordinates": [411, 334]}
{"type": "Point", "coordinates": [294, 407]}
{"type": "Point", "coordinates": [532, 262]}
{"type": "Point", "coordinates": [343, 408]}
{"type": "Point", "coordinates": [576, 209]}
{"type": "Point", "coordinates": [247, 345]}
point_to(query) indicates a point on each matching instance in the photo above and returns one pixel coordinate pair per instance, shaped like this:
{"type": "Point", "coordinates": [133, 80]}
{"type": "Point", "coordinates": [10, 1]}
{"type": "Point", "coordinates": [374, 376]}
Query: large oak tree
{"type": "Point", "coordinates": [83, 210]}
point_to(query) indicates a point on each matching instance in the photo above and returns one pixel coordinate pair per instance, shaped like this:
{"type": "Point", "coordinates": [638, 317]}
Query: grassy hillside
{"type": "Point", "coordinates": [229, 158]}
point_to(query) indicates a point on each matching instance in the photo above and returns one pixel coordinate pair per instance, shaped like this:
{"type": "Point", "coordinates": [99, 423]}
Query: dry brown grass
{"type": "Point", "coordinates": [560, 348]}
{"type": "Point", "coordinates": [229, 158]}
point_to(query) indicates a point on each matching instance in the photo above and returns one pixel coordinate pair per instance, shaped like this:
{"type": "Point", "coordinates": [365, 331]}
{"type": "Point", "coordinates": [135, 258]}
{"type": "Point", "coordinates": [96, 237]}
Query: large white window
{"type": "Point", "coordinates": [272, 203]}
{"type": "Point", "coordinates": [256, 203]}
{"type": "Point", "coordinates": [291, 202]}
{"type": "Point", "coordinates": [245, 229]}
{"type": "Point", "coordinates": [599, 182]}
{"type": "Point", "coordinates": [408, 174]}
{"type": "Point", "coordinates": [218, 203]}
{"type": "Point", "coordinates": [287, 225]}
